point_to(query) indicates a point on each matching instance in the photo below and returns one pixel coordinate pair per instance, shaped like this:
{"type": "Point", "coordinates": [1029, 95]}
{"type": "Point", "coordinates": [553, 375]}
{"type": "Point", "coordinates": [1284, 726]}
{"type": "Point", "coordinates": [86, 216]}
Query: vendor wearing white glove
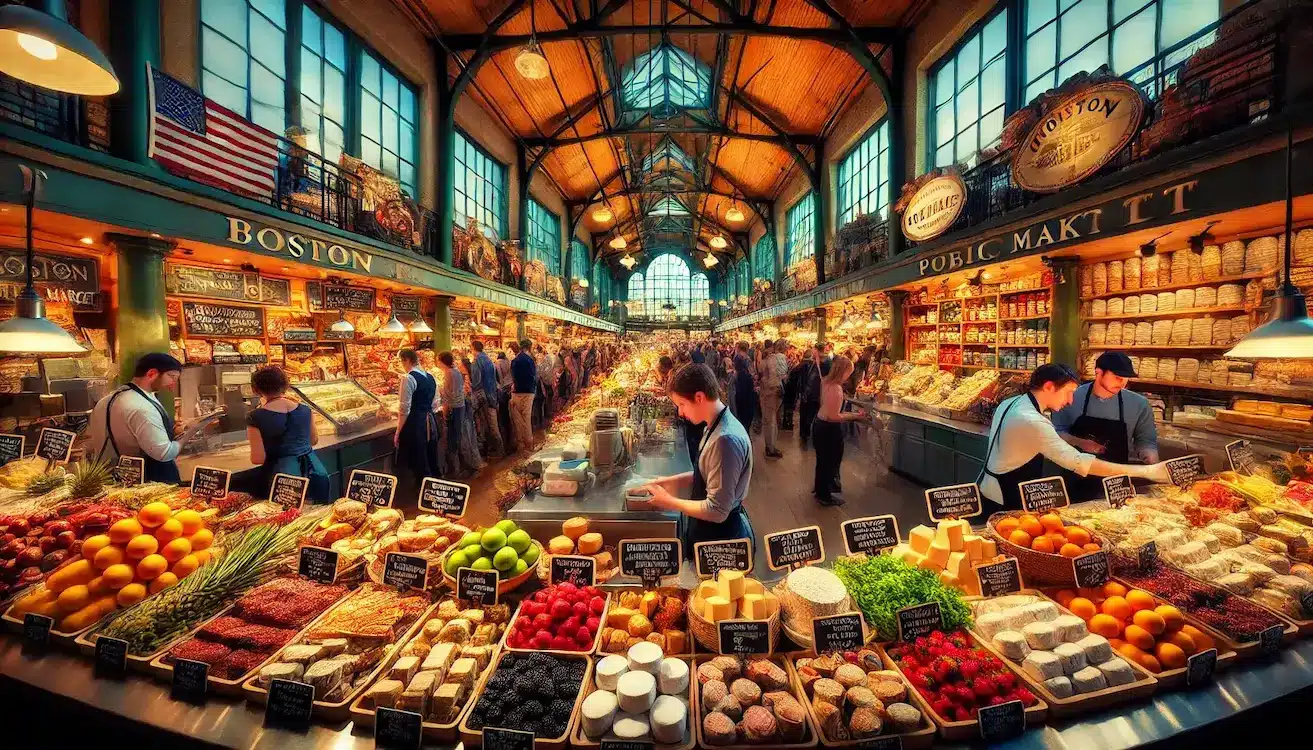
{"type": "Point", "coordinates": [1021, 437]}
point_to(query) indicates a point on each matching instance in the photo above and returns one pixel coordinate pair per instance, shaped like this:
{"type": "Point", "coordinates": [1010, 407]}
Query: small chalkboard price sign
{"type": "Point", "coordinates": [732, 554]}
{"type": "Point", "coordinates": [1241, 457]}
{"type": "Point", "coordinates": [1269, 640]}
{"type": "Point", "coordinates": [395, 729]}
{"type": "Point", "coordinates": [443, 497]}
{"type": "Point", "coordinates": [581, 570]}
{"type": "Point", "coordinates": [887, 742]}
{"type": "Point", "coordinates": [651, 559]}
{"type": "Point", "coordinates": [130, 471]}
{"type": "Point", "coordinates": [111, 657]}
{"type": "Point", "coordinates": [290, 704]}
{"type": "Point", "coordinates": [318, 564]}
{"type": "Point", "coordinates": [743, 637]}
{"type": "Point", "coordinates": [627, 745]}
{"type": "Point", "coordinates": [794, 548]}
{"type": "Point", "coordinates": [210, 483]}
{"type": "Point", "coordinates": [1043, 495]}
{"type": "Point", "coordinates": [55, 445]}
{"type": "Point", "coordinates": [838, 633]}
{"type": "Point", "coordinates": [953, 502]}
{"type": "Point", "coordinates": [919, 620]}
{"type": "Point", "coordinates": [289, 491]}
{"type": "Point", "coordinates": [36, 628]}
{"type": "Point", "coordinates": [1185, 470]}
{"type": "Point", "coordinates": [999, 578]}
{"type": "Point", "coordinates": [1147, 555]}
{"type": "Point", "coordinates": [1091, 569]}
{"type": "Point", "coordinates": [405, 571]}
{"type": "Point", "coordinates": [870, 535]}
{"type": "Point", "coordinates": [190, 680]}
{"type": "Point", "coordinates": [11, 448]}
{"type": "Point", "coordinates": [372, 488]}
{"type": "Point", "coordinates": [496, 738]}
{"type": "Point", "coordinates": [478, 586]}
{"type": "Point", "coordinates": [1002, 722]}
{"type": "Point", "coordinates": [1118, 490]}
{"type": "Point", "coordinates": [1199, 667]}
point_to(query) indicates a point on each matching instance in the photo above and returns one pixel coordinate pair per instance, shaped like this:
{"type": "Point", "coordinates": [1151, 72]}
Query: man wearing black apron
{"type": "Point", "coordinates": [131, 421]}
{"type": "Point", "coordinates": [1089, 425]}
{"type": "Point", "coordinates": [722, 469]}
{"type": "Point", "coordinates": [1021, 437]}
{"type": "Point", "coordinates": [417, 435]}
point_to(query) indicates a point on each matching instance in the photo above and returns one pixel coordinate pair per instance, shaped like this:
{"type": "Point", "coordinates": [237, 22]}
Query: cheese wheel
{"type": "Point", "coordinates": [644, 657]}
{"type": "Point", "coordinates": [590, 543]}
{"type": "Point", "coordinates": [636, 691]}
{"type": "Point", "coordinates": [598, 712]}
{"type": "Point", "coordinates": [719, 608]}
{"type": "Point", "coordinates": [672, 677]}
{"type": "Point", "coordinates": [668, 717]}
{"type": "Point", "coordinates": [609, 670]}
{"type": "Point", "coordinates": [575, 527]}
{"type": "Point", "coordinates": [560, 545]}
{"type": "Point", "coordinates": [631, 727]}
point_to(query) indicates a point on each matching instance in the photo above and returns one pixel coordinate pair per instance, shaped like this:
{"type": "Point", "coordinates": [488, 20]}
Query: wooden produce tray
{"type": "Point", "coordinates": [810, 736]}
{"type": "Point", "coordinates": [86, 644]}
{"type": "Point", "coordinates": [340, 710]}
{"type": "Point", "coordinates": [923, 737]}
{"type": "Point", "coordinates": [614, 594]}
{"type": "Point", "coordinates": [580, 740]}
{"type": "Point", "coordinates": [474, 737]}
{"type": "Point", "coordinates": [57, 638]}
{"type": "Point", "coordinates": [1247, 649]}
{"type": "Point", "coordinates": [597, 637]}
{"type": "Point", "coordinates": [960, 731]}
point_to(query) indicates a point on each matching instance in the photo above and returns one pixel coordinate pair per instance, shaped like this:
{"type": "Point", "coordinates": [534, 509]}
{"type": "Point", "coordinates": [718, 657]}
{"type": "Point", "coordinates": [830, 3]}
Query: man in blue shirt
{"type": "Point", "coordinates": [524, 378]}
{"type": "Point", "coordinates": [487, 416]}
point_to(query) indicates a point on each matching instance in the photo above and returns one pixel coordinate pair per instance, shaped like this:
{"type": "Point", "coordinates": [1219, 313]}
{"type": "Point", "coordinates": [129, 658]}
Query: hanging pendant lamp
{"type": "Point", "coordinates": [618, 242]}
{"type": "Point", "coordinates": [393, 326]}
{"type": "Point", "coordinates": [342, 325]}
{"type": "Point", "coordinates": [734, 214]}
{"type": "Point", "coordinates": [420, 326]}
{"type": "Point", "coordinates": [43, 49]}
{"type": "Point", "coordinates": [718, 242]}
{"type": "Point", "coordinates": [531, 62]}
{"type": "Point", "coordinates": [628, 262]}
{"type": "Point", "coordinates": [603, 215]}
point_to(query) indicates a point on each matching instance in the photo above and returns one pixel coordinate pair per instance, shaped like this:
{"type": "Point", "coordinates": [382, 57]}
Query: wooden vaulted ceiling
{"type": "Point", "coordinates": [775, 90]}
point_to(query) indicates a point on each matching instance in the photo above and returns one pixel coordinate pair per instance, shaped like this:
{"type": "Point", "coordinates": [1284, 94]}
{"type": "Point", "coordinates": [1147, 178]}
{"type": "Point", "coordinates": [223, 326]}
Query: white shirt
{"type": "Point", "coordinates": [406, 392]}
{"type": "Point", "coordinates": [775, 368]}
{"type": "Point", "coordinates": [137, 425]}
{"type": "Point", "coordinates": [1026, 434]}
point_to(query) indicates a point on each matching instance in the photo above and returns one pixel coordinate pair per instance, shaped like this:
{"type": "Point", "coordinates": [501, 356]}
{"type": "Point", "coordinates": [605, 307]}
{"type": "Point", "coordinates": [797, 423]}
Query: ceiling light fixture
{"type": "Point", "coordinates": [393, 326]}
{"type": "Point", "coordinates": [618, 242]}
{"type": "Point", "coordinates": [86, 240]}
{"type": "Point", "coordinates": [603, 215]}
{"type": "Point", "coordinates": [342, 325]}
{"type": "Point", "coordinates": [420, 326]}
{"type": "Point", "coordinates": [628, 262]}
{"type": "Point", "coordinates": [734, 214]}
{"type": "Point", "coordinates": [531, 62]}
{"type": "Point", "coordinates": [710, 260]}
{"type": "Point", "coordinates": [45, 50]}
{"type": "Point", "coordinates": [718, 242]}
{"type": "Point", "coordinates": [583, 282]}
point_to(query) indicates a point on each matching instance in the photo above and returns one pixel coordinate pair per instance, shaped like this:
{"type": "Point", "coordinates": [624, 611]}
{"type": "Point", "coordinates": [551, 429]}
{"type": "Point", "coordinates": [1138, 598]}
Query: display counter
{"type": "Point", "coordinates": [931, 449]}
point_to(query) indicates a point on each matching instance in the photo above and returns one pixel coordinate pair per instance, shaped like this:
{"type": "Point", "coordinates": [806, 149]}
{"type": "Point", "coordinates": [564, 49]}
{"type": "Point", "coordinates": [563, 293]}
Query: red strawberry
{"type": "Point", "coordinates": [596, 604]}
{"type": "Point", "coordinates": [984, 688]}
{"type": "Point", "coordinates": [1026, 697]}
{"type": "Point", "coordinates": [961, 714]}
{"type": "Point", "coordinates": [583, 635]}
{"type": "Point", "coordinates": [1005, 680]}
{"type": "Point", "coordinates": [560, 609]}
{"type": "Point", "coordinates": [970, 668]}
{"type": "Point", "coordinates": [540, 596]}
{"type": "Point", "coordinates": [943, 708]}
{"type": "Point", "coordinates": [580, 609]}
{"type": "Point", "coordinates": [965, 695]}
{"type": "Point", "coordinates": [997, 700]}
{"type": "Point", "coordinates": [542, 639]}
{"type": "Point", "coordinates": [565, 587]}
{"type": "Point", "coordinates": [561, 643]}
{"type": "Point", "coordinates": [567, 629]}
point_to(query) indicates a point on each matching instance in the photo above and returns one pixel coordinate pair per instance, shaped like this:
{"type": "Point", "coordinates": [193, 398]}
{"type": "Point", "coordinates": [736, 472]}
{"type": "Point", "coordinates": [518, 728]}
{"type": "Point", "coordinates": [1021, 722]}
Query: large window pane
{"type": "Point", "coordinates": [480, 189]}
{"type": "Point", "coordinates": [800, 230]}
{"type": "Point", "coordinates": [244, 59]}
{"type": "Point", "coordinates": [383, 114]}
{"type": "Point", "coordinates": [969, 85]}
{"type": "Point", "coordinates": [544, 240]}
{"type": "Point", "coordinates": [864, 178]}
{"type": "Point", "coordinates": [323, 85]}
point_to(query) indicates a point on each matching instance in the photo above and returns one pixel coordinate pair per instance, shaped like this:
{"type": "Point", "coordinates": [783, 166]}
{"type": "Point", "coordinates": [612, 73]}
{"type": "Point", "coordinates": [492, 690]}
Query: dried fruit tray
{"type": "Point", "coordinates": [810, 735]}
{"type": "Point", "coordinates": [474, 737]}
{"type": "Point", "coordinates": [922, 737]}
{"type": "Point", "coordinates": [580, 740]}
{"type": "Point", "coordinates": [597, 637]}
{"type": "Point", "coordinates": [615, 593]}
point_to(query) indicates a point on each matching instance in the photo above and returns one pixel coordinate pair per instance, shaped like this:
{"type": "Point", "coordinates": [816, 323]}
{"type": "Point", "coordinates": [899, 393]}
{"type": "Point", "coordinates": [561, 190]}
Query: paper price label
{"type": "Point", "coordinates": [743, 637]}
{"type": "Point", "coordinates": [1043, 495]}
{"type": "Point", "coordinates": [838, 633]}
{"type": "Point", "coordinates": [955, 501]}
{"type": "Point", "coordinates": [919, 620]}
{"type": "Point", "coordinates": [443, 498]}
{"type": "Point", "coordinates": [372, 488]}
{"type": "Point", "coordinates": [795, 547]}
{"type": "Point", "coordinates": [712, 557]}
{"type": "Point", "coordinates": [1118, 490]}
{"type": "Point", "coordinates": [870, 535]}
{"type": "Point", "coordinates": [580, 570]}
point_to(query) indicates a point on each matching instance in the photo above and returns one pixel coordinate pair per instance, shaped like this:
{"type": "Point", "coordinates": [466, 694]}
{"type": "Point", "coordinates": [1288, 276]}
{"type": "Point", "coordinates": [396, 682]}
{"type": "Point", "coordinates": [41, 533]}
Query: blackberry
{"type": "Point", "coordinates": [493, 715]}
{"type": "Point", "coordinates": [532, 709]}
{"type": "Point", "coordinates": [549, 727]}
{"type": "Point", "coordinates": [567, 688]}
{"type": "Point", "coordinates": [560, 709]}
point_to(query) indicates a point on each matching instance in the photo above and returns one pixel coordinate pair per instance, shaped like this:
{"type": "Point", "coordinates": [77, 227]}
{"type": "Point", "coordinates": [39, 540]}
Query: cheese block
{"type": "Point", "coordinates": [648, 604]}
{"type": "Point", "coordinates": [1059, 686]}
{"type": "Point", "coordinates": [598, 712]}
{"type": "Point", "coordinates": [971, 583]}
{"type": "Point", "coordinates": [1011, 644]}
{"type": "Point", "coordinates": [928, 563]}
{"type": "Point", "coordinates": [609, 670]}
{"type": "Point", "coordinates": [949, 534]}
{"type": "Point", "coordinates": [729, 584]}
{"type": "Point", "coordinates": [1117, 672]}
{"type": "Point", "coordinates": [1213, 544]}
{"type": "Point", "coordinates": [973, 544]}
{"type": "Point", "coordinates": [919, 539]}
{"type": "Point", "coordinates": [912, 557]}
{"type": "Point", "coordinates": [988, 549]}
{"type": "Point", "coordinates": [1170, 540]}
{"type": "Point", "coordinates": [1042, 665]}
{"type": "Point", "coordinates": [1096, 648]}
{"type": "Point", "coordinates": [706, 590]}
{"type": "Point", "coordinates": [1207, 570]}
{"type": "Point", "coordinates": [772, 604]}
{"type": "Point", "coordinates": [629, 726]}
{"type": "Point", "coordinates": [948, 579]}
{"type": "Point", "coordinates": [605, 560]}
{"type": "Point", "coordinates": [440, 658]}
{"type": "Point", "coordinates": [560, 545]}
{"type": "Point", "coordinates": [1188, 553]}
{"type": "Point", "coordinates": [668, 719]}
{"type": "Point", "coordinates": [1088, 680]}
{"type": "Point", "coordinates": [1071, 656]}
{"type": "Point", "coordinates": [1041, 635]}
{"type": "Point", "coordinates": [590, 543]}
{"type": "Point", "coordinates": [754, 607]}
{"type": "Point", "coordinates": [672, 677]}
{"type": "Point", "coordinates": [575, 527]}
{"type": "Point", "coordinates": [383, 694]}
{"type": "Point", "coordinates": [404, 668]}
{"type": "Point", "coordinates": [753, 586]}
{"type": "Point", "coordinates": [938, 553]}
{"type": "Point", "coordinates": [958, 564]}
{"type": "Point", "coordinates": [644, 657]}
{"type": "Point", "coordinates": [636, 691]}
{"type": "Point", "coordinates": [676, 641]}
{"type": "Point", "coordinates": [1043, 611]}
{"type": "Point", "coordinates": [719, 608]}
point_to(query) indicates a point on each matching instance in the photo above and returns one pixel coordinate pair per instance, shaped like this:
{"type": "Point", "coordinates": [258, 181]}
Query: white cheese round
{"type": "Point", "coordinates": [645, 657]}
{"type": "Point", "coordinates": [672, 677]}
{"type": "Point", "coordinates": [631, 727]}
{"type": "Point", "coordinates": [609, 670]}
{"type": "Point", "coordinates": [598, 711]}
{"type": "Point", "coordinates": [668, 717]}
{"type": "Point", "coordinates": [636, 692]}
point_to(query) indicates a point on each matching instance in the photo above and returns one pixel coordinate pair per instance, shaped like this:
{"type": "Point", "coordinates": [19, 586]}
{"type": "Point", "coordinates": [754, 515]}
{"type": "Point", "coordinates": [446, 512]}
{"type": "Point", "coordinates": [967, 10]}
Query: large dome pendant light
{"type": "Point", "coordinates": [734, 214]}
{"type": "Point", "coordinates": [29, 331]}
{"type": "Point", "coordinates": [603, 214]}
{"type": "Point", "coordinates": [45, 50]}
{"type": "Point", "coordinates": [1289, 333]}
{"type": "Point", "coordinates": [531, 62]}
{"type": "Point", "coordinates": [618, 242]}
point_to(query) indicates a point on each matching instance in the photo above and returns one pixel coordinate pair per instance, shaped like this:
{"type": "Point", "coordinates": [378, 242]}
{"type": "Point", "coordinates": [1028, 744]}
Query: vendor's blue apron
{"type": "Point", "coordinates": [155, 471]}
{"type": "Point", "coordinates": [1008, 480]}
{"type": "Point", "coordinates": [735, 526]}
{"type": "Point", "coordinates": [1111, 434]}
{"type": "Point", "coordinates": [417, 444]}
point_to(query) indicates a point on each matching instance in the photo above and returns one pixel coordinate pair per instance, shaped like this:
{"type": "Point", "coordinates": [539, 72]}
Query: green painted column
{"type": "Point", "coordinates": [820, 325]}
{"type": "Point", "coordinates": [1064, 326]}
{"type": "Point", "coordinates": [521, 332]}
{"type": "Point", "coordinates": [820, 212]}
{"type": "Point", "coordinates": [897, 329]}
{"type": "Point", "coordinates": [442, 325]}
{"type": "Point", "coordinates": [134, 41]}
{"type": "Point", "coordinates": [446, 135]}
{"type": "Point", "coordinates": [141, 325]}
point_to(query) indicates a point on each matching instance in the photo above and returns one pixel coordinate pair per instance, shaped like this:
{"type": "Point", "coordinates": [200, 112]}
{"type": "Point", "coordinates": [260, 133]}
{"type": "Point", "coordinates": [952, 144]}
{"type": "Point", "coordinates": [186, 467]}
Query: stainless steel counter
{"type": "Point", "coordinates": [606, 501]}
{"type": "Point", "coordinates": [972, 428]}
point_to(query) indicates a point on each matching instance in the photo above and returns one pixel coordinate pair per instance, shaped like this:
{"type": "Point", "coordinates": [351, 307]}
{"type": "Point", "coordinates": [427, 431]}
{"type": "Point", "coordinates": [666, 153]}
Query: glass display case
{"type": "Point", "coordinates": [341, 403]}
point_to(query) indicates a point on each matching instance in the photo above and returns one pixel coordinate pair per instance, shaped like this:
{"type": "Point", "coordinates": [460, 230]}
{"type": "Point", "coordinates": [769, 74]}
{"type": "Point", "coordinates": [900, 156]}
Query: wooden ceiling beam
{"type": "Point", "coordinates": [784, 140]}
{"type": "Point", "coordinates": [593, 28]}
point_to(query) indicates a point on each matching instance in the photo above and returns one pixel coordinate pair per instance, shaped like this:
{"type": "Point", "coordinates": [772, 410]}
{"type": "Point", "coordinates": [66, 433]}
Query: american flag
{"type": "Point", "coordinates": [193, 137]}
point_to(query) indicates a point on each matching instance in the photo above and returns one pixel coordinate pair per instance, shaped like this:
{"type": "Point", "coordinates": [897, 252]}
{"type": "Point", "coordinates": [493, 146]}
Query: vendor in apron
{"type": "Point", "coordinates": [721, 472]}
{"type": "Point", "coordinates": [1021, 437]}
{"type": "Point", "coordinates": [131, 421]}
{"type": "Point", "coordinates": [1108, 421]}
{"type": "Point", "coordinates": [417, 435]}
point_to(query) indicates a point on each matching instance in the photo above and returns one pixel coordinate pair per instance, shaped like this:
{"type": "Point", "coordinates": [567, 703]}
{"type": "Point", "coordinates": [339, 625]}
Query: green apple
{"type": "Point", "coordinates": [530, 556]}
{"type": "Point", "coordinates": [519, 541]}
{"type": "Point", "coordinates": [506, 526]}
{"type": "Point", "coordinates": [493, 539]}
{"type": "Point", "coordinates": [520, 567]}
{"type": "Point", "coordinates": [456, 561]}
{"type": "Point", "coordinates": [472, 552]}
{"type": "Point", "coordinates": [482, 563]}
{"type": "Point", "coordinates": [471, 537]}
{"type": "Point", "coordinates": [505, 559]}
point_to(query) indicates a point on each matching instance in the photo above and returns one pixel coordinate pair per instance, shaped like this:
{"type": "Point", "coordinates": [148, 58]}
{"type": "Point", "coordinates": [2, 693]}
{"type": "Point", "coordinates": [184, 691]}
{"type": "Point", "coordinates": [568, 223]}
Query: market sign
{"type": "Point", "coordinates": [61, 278]}
{"type": "Point", "coordinates": [299, 246]}
{"type": "Point", "coordinates": [213, 283]}
{"type": "Point", "coordinates": [1077, 136]}
{"type": "Point", "coordinates": [224, 321]}
{"type": "Point", "coordinates": [934, 207]}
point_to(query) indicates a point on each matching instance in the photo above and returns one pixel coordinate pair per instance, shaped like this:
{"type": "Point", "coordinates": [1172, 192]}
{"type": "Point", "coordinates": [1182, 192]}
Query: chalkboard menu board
{"type": "Point", "coordinates": [744, 636]}
{"type": "Point", "coordinates": [479, 586]}
{"type": "Point", "coordinates": [277, 292]}
{"type": "Point", "coordinates": [1185, 470]}
{"type": "Point", "coordinates": [405, 571]}
{"type": "Point", "coordinates": [443, 497]}
{"type": "Point", "coordinates": [838, 633]}
{"type": "Point", "coordinates": [1043, 495]}
{"type": "Point", "coordinates": [62, 277]}
{"type": "Point", "coordinates": [328, 334]}
{"type": "Point", "coordinates": [1002, 721]}
{"type": "Point", "coordinates": [870, 535]}
{"type": "Point", "coordinates": [919, 620]}
{"type": "Point", "coordinates": [55, 445]}
{"type": "Point", "coordinates": [371, 488]}
{"type": "Point", "coordinates": [999, 578]}
{"type": "Point", "coordinates": [1118, 490]}
{"type": "Point", "coordinates": [190, 680]}
{"type": "Point", "coordinates": [581, 570]}
{"type": "Point", "coordinates": [214, 283]}
{"type": "Point", "coordinates": [398, 730]}
{"type": "Point", "coordinates": [349, 298]}
{"type": "Point", "coordinates": [1091, 569]}
{"type": "Point", "coordinates": [786, 549]}
{"type": "Point", "coordinates": [111, 658]}
{"type": "Point", "coordinates": [289, 491]}
{"type": "Point", "coordinates": [318, 564]}
{"type": "Point", "coordinates": [225, 321]}
{"type": "Point", "coordinates": [299, 334]}
{"type": "Point", "coordinates": [11, 448]}
{"type": "Point", "coordinates": [956, 501]}
{"type": "Point", "coordinates": [496, 738]}
{"type": "Point", "coordinates": [131, 471]}
{"type": "Point", "coordinates": [289, 704]}
{"type": "Point", "coordinates": [730, 554]}
{"type": "Point", "coordinates": [210, 483]}
{"type": "Point", "coordinates": [406, 308]}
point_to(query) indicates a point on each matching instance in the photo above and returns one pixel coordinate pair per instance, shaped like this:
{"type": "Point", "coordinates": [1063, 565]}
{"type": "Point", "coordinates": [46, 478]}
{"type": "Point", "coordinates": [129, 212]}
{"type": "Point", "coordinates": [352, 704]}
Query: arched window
{"type": "Point", "coordinates": [636, 294]}
{"type": "Point", "coordinates": [700, 293]}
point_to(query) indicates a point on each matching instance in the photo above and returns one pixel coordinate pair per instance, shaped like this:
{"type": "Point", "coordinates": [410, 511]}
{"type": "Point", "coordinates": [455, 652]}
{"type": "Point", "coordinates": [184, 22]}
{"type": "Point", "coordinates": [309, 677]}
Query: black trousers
{"type": "Point", "coordinates": [806, 415]}
{"type": "Point", "coordinates": [828, 439]}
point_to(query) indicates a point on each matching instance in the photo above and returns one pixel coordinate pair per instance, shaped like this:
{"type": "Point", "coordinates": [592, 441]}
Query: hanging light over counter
{"type": "Point", "coordinates": [45, 50]}
{"type": "Point", "coordinates": [393, 326]}
{"type": "Point", "coordinates": [342, 325]}
{"type": "Point", "coordinates": [531, 62]}
{"type": "Point", "coordinates": [420, 326]}
{"type": "Point", "coordinates": [734, 214]}
{"type": "Point", "coordinates": [710, 260]}
{"type": "Point", "coordinates": [603, 215]}
{"type": "Point", "coordinates": [718, 242]}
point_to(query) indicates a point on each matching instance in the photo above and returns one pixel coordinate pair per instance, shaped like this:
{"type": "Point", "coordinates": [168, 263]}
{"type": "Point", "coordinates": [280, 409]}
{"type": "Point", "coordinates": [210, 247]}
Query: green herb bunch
{"type": "Point", "coordinates": [881, 585]}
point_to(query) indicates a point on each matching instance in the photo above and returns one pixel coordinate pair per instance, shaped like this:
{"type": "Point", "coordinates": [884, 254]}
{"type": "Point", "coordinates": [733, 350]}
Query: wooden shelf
{"type": "Point", "coordinates": [1267, 390]}
{"type": "Point", "coordinates": [979, 343]}
{"type": "Point", "coordinates": [1170, 313]}
{"type": "Point", "coordinates": [1027, 291]}
{"type": "Point", "coordinates": [979, 322]}
{"type": "Point", "coordinates": [922, 325]}
{"type": "Point", "coordinates": [1023, 346]}
{"type": "Point", "coordinates": [1187, 285]}
{"type": "Point", "coordinates": [1106, 347]}
{"type": "Point", "coordinates": [1028, 317]}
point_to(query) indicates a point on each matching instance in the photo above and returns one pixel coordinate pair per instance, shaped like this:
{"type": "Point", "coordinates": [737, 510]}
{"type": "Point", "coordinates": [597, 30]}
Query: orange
{"type": "Point", "coordinates": [151, 566]}
{"type": "Point", "coordinates": [94, 544]}
{"type": "Point", "coordinates": [154, 514]}
{"type": "Point", "coordinates": [131, 594]}
{"type": "Point", "coordinates": [1170, 655]}
{"type": "Point", "coordinates": [1116, 644]}
{"type": "Point", "coordinates": [1007, 526]}
{"type": "Point", "coordinates": [1095, 595]}
{"type": "Point", "coordinates": [176, 549]}
{"type": "Point", "coordinates": [1181, 641]}
{"type": "Point", "coordinates": [202, 557]}
{"type": "Point", "coordinates": [1071, 550]}
{"type": "Point", "coordinates": [1150, 662]}
{"type": "Point", "coordinates": [1106, 626]}
{"type": "Point", "coordinates": [123, 531]}
{"type": "Point", "coordinates": [1117, 607]}
{"type": "Point", "coordinates": [169, 530]}
{"type": "Point", "coordinates": [1140, 600]}
{"type": "Point", "coordinates": [1150, 621]}
{"type": "Point", "coordinates": [1031, 525]}
{"type": "Point", "coordinates": [1139, 637]}
{"type": "Point", "coordinates": [117, 576]}
{"type": "Point", "coordinates": [164, 581]}
{"type": "Point", "coordinates": [1171, 616]}
{"type": "Point", "coordinates": [185, 567]}
{"type": "Point", "coordinates": [108, 556]}
{"type": "Point", "coordinates": [1078, 536]}
{"type": "Point", "coordinates": [1130, 652]}
{"type": "Point", "coordinates": [1020, 538]}
{"type": "Point", "coordinates": [1050, 522]}
{"type": "Point", "coordinates": [1042, 544]}
{"type": "Point", "coordinates": [142, 545]}
{"type": "Point", "coordinates": [1082, 608]}
{"type": "Point", "coordinates": [1058, 538]}
{"type": "Point", "coordinates": [191, 521]}
{"type": "Point", "coordinates": [1091, 547]}
{"type": "Point", "coordinates": [1112, 588]}
{"type": "Point", "coordinates": [201, 539]}
{"type": "Point", "coordinates": [1064, 597]}
{"type": "Point", "coordinates": [1202, 641]}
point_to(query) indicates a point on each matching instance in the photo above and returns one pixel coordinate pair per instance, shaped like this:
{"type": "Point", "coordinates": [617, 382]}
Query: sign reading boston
{"type": "Point", "coordinates": [934, 207]}
{"type": "Point", "coordinates": [1078, 135]}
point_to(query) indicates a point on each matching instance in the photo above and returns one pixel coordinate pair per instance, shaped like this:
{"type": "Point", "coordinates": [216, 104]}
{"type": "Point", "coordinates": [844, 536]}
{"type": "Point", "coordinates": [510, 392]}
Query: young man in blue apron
{"type": "Point", "coordinates": [131, 421]}
{"type": "Point", "coordinates": [1109, 421]}
{"type": "Point", "coordinates": [416, 439]}
{"type": "Point", "coordinates": [722, 469]}
{"type": "Point", "coordinates": [1021, 437]}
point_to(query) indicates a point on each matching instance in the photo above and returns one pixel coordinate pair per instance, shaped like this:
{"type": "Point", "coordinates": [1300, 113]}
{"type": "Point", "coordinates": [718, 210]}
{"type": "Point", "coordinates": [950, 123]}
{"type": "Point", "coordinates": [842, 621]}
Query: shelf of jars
{"type": "Point", "coordinates": [993, 327]}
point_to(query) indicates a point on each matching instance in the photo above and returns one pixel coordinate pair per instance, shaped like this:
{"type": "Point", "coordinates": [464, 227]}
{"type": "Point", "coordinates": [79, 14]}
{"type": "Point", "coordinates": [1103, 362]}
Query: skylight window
{"type": "Point", "coordinates": [666, 80]}
{"type": "Point", "coordinates": [668, 206]}
{"type": "Point", "coordinates": [667, 156]}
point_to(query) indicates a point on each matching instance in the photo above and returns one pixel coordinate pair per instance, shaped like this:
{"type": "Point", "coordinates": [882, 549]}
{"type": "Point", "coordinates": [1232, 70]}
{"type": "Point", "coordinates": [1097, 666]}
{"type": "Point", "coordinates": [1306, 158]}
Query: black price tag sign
{"type": "Point", "coordinates": [999, 578]}
{"type": "Point", "coordinates": [210, 483]}
{"type": "Point", "coordinates": [398, 730]}
{"type": "Point", "coordinates": [732, 554]}
{"type": "Point", "coordinates": [1043, 495]}
{"type": "Point", "coordinates": [870, 535]}
{"type": "Point", "coordinates": [190, 680]}
{"type": "Point", "coordinates": [478, 586]}
{"type": "Point", "coordinates": [11, 448]}
{"type": "Point", "coordinates": [131, 471]}
{"type": "Point", "coordinates": [581, 570]}
{"type": "Point", "coordinates": [496, 738]}
{"type": "Point", "coordinates": [443, 497]}
{"type": "Point", "coordinates": [1306, 602]}
{"type": "Point", "coordinates": [838, 633]}
{"type": "Point", "coordinates": [956, 501]}
{"type": "Point", "coordinates": [795, 547]}
{"type": "Point", "coordinates": [888, 742]}
{"type": "Point", "coordinates": [405, 571]}
{"type": "Point", "coordinates": [627, 745]}
{"type": "Point", "coordinates": [1199, 667]}
{"type": "Point", "coordinates": [55, 445]}
{"type": "Point", "coordinates": [1269, 641]}
{"type": "Point", "coordinates": [289, 491]}
{"type": "Point", "coordinates": [371, 488]}
{"type": "Point", "coordinates": [1241, 457]}
{"type": "Point", "coordinates": [299, 334]}
{"type": "Point", "coordinates": [919, 620]}
{"type": "Point", "coordinates": [319, 564]}
{"type": "Point", "coordinates": [1091, 569]}
{"type": "Point", "coordinates": [743, 637]}
{"type": "Point", "coordinates": [1147, 555]}
{"type": "Point", "coordinates": [651, 559]}
{"type": "Point", "coordinates": [1002, 722]}
{"type": "Point", "coordinates": [290, 704]}
{"type": "Point", "coordinates": [111, 657]}
{"type": "Point", "coordinates": [36, 628]}
{"type": "Point", "coordinates": [1185, 470]}
{"type": "Point", "coordinates": [1118, 490]}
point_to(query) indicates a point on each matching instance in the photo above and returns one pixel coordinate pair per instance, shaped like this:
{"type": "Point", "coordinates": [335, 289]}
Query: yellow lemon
{"type": "Point", "coordinates": [151, 566]}
{"type": "Point", "coordinates": [165, 580]}
{"type": "Point", "coordinates": [117, 576]}
{"type": "Point", "coordinates": [73, 598]}
{"type": "Point", "coordinates": [142, 545]}
{"type": "Point", "coordinates": [108, 556]}
{"type": "Point", "coordinates": [176, 549]}
{"type": "Point", "coordinates": [154, 514]}
{"type": "Point", "coordinates": [131, 594]}
{"type": "Point", "coordinates": [94, 544]}
{"type": "Point", "coordinates": [202, 539]}
{"type": "Point", "coordinates": [123, 531]}
{"type": "Point", "coordinates": [186, 566]}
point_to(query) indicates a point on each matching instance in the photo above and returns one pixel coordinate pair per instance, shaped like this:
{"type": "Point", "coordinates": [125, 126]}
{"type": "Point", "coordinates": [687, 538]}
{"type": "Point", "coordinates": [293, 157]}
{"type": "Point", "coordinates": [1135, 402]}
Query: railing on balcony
{"type": "Point", "coordinates": [862, 242]}
{"type": "Point", "coordinates": [68, 118]}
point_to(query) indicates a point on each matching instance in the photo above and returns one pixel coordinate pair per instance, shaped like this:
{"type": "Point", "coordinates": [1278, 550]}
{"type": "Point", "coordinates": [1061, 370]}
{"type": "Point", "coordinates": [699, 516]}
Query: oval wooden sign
{"type": "Point", "coordinates": [1078, 136]}
{"type": "Point", "coordinates": [934, 207]}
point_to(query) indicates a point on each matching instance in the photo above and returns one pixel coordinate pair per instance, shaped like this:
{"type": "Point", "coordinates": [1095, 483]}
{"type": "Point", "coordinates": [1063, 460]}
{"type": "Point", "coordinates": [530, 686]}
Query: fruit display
{"type": "Point", "coordinates": [351, 530]}
{"type": "Point", "coordinates": [1046, 533]}
{"type": "Point", "coordinates": [531, 692]}
{"type": "Point", "coordinates": [950, 550]}
{"type": "Point", "coordinates": [563, 617]}
{"type": "Point", "coordinates": [33, 545]}
{"type": "Point", "coordinates": [749, 702]}
{"type": "Point", "coordinates": [505, 547]}
{"type": "Point", "coordinates": [638, 697]}
{"type": "Point", "coordinates": [880, 585]}
{"type": "Point", "coordinates": [577, 539]}
{"type": "Point", "coordinates": [437, 670]}
{"type": "Point", "coordinates": [134, 558]}
{"type": "Point", "coordinates": [659, 616]}
{"type": "Point", "coordinates": [955, 676]}
{"type": "Point", "coordinates": [426, 535]}
{"type": "Point", "coordinates": [852, 696]}
{"type": "Point", "coordinates": [1155, 636]}
{"type": "Point", "coordinates": [262, 621]}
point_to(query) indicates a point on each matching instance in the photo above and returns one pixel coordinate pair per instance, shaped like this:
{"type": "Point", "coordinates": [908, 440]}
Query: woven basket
{"type": "Point", "coordinates": [1037, 568]}
{"type": "Point", "coordinates": [1196, 267]}
{"type": "Point", "coordinates": [1131, 305]}
{"type": "Point", "coordinates": [1100, 278]}
{"type": "Point", "coordinates": [1221, 332]}
{"type": "Point", "coordinates": [1148, 368]}
{"type": "Point", "coordinates": [1212, 262]}
{"type": "Point", "coordinates": [1115, 276]}
{"type": "Point", "coordinates": [1114, 337]}
{"type": "Point", "coordinates": [1180, 267]}
{"type": "Point", "coordinates": [1086, 276]}
{"type": "Point", "coordinates": [1148, 303]}
{"type": "Point", "coordinates": [1149, 272]}
{"type": "Point", "coordinates": [1233, 258]}
{"type": "Point", "coordinates": [708, 635]}
{"type": "Point", "coordinates": [1201, 331]}
{"type": "Point", "coordinates": [1167, 368]}
{"type": "Point", "coordinates": [1184, 299]}
{"type": "Point", "coordinates": [1144, 333]}
{"type": "Point", "coordinates": [1302, 253]}
{"type": "Point", "coordinates": [1181, 328]}
{"type": "Point", "coordinates": [1099, 308]}
{"type": "Point", "coordinates": [1166, 301]}
{"type": "Point", "coordinates": [1162, 332]}
{"type": "Point", "coordinates": [1261, 254]}
{"type": "Point", "coordinates": [1115, 305]}
{"type": "Point", "coordinates": [1131, 268]}
{"type": "Point", "coordinates": [1205, 296]}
